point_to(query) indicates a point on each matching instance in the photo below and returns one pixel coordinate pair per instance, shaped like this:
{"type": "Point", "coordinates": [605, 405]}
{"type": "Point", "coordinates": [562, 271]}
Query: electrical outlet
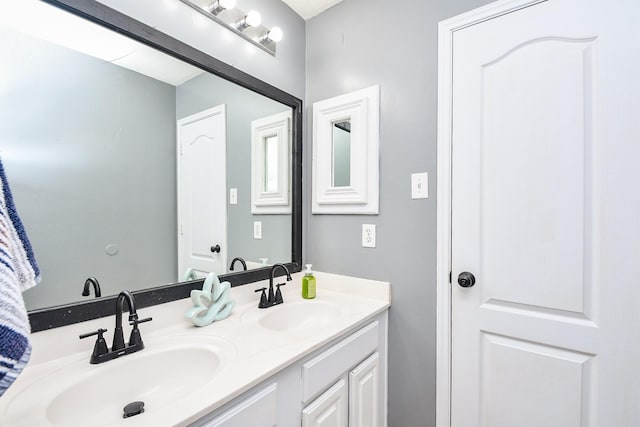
{"type": "Point", "coordinates": [257, 229]}
{"type": "Point", "coordinates": [233, 196]}
{"type": "Point", "coordinates": [420, 185]}
{"type": "Point", "coordinates": [368, 235]}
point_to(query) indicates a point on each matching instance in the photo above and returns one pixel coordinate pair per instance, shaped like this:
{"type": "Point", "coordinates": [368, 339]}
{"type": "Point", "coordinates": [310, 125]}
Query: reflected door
{"type": "Point", "coordinates": [202, 206]}
{"type": "Point", "coordinates": [545, 209]}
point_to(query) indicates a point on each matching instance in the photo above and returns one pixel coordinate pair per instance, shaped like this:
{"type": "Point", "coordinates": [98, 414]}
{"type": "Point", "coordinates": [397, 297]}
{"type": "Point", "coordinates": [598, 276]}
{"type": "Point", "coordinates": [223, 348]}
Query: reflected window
{"type": "Point", "coordinates": [270, 171]}
{"type": "Point", "coordinates": [271, 164]}
{"type": "Point", "coordinates": [341, 154]}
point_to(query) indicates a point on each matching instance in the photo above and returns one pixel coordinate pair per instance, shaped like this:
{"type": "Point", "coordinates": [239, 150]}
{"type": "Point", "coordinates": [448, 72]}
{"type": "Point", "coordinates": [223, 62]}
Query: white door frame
{"type": "Point", "coordinates": [443, 229]}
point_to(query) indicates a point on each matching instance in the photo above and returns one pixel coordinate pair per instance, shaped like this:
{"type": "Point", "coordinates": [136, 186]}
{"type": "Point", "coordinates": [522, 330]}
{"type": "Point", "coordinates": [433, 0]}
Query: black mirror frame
{"type": "Point", "coordinates": [100, 14]}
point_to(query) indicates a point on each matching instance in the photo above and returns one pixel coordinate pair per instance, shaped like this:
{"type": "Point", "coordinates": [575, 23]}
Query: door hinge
{"type": "Point", "coordinates": [450, 273]}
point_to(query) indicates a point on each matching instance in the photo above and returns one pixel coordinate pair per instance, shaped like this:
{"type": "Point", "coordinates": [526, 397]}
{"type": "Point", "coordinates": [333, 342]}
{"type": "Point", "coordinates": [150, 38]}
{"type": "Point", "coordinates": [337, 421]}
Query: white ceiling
{"type": "Point", "coordinates": [310, 8]}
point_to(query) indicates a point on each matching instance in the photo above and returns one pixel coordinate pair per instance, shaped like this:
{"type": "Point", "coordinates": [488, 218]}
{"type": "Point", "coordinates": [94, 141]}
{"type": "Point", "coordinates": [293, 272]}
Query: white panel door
{"type": "Point", "coordinates": [546, 216]}
{"type": "Point", "coordinates": [330, 409]}
{"type": "Point", "coordinates": [202, 182]}
{"type": "Point", "coordinates": [364, 393]}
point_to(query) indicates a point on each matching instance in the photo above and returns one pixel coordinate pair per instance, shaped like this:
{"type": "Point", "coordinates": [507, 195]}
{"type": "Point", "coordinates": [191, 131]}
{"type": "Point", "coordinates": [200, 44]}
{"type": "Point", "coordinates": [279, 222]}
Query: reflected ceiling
{"type": "Point", "coordinates": [56, 26]}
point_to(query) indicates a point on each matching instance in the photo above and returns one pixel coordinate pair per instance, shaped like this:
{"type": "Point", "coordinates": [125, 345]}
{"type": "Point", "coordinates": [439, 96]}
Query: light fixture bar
{"type": "Point", "coordinates": [245, 25]}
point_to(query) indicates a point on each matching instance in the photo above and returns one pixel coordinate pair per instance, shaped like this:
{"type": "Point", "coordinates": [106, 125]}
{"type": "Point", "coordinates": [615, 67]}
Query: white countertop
{"type": "Point", "coordinates": [254, 352]}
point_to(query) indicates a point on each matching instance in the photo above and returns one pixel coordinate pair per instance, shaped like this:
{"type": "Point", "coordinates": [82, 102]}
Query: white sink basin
{"type": "Point", "coordinates": [298, 316]}
{"type": "Point", "coordinates": [166, 371]}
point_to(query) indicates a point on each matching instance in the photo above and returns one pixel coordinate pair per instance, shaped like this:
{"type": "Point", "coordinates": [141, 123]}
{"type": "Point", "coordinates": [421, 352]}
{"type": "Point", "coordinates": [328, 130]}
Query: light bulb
{"type": "Point", "coordinates": [253, 19]}
{"type": "Point", "coordinates": [221, 5]}
{"type": "Point", "coordinates": [275, 34]}
{"type": "Point", "coordinates": [170, 4]}
{"type": "Point", "coordinates": [228, 4]}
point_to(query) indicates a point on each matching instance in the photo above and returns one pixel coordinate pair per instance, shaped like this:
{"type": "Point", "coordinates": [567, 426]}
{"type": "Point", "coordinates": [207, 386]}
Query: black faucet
{"type": "Point", "coordinates": [241, 261]}
{"type": "Point", "coordinates": [101, 352]}
{"type": "Point", "coordinates": [118, 336]}
{"type": "Point", "coordinates": [96, 287]}
{"type": "Point", "coordinates": [273, 298]}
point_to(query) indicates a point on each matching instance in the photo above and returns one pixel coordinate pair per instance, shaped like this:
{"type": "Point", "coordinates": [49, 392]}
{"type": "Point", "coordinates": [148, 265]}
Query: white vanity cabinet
{"type": "Point", "coordinates": [356, 396]}
{"type": "Point", "coordinates": [353, 401]}
{"type": "Point", "coordinates": [342, 384]}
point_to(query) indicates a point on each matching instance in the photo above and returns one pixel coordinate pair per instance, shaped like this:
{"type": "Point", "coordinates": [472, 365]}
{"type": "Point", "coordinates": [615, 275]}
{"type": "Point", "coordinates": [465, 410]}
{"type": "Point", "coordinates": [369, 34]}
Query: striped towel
{"type": "Point", "coordinates": [18, 272]}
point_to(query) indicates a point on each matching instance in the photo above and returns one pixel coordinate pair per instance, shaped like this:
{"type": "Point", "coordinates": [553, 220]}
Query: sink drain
{"type": "Point", "coordinates": [132, 409]}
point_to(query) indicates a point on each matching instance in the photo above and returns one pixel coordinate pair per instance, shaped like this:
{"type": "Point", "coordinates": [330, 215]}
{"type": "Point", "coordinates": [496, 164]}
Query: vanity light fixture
{"type": "Point", "coordinates": [220, 5]}
{"type": "Point", "coordinates": [246, 25]}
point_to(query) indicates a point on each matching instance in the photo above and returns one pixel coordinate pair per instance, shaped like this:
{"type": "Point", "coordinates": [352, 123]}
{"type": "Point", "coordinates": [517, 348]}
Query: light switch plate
{"type": "Point", "coordinates": [257, 229]}
{"type": "Point", "coordinates": [368, 235]}
{"type": "Point", "coordinates": [233, 196]}
{"type": "Point", "coordinates": [420, 185]}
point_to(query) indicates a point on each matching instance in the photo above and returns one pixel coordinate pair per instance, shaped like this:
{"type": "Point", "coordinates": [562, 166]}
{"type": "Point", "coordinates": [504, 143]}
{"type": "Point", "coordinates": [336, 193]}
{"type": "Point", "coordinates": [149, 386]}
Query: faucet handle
{"type": "Point", "coordinates": [264, 303]}
{"type": "Point", "coordinates": [135, 339]}
{"type": "Point", "coordinates": [279, 299]}
{"type": "Point", "coordinates": [136, 322]}
{"type": "Point", "coordinates": [100, 348]}
{"type": "Point", "coordinates": [99, 332]}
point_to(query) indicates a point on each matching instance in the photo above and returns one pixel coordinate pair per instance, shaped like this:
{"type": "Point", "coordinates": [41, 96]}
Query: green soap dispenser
{"type": "Point", "coordinates": [308, 284]}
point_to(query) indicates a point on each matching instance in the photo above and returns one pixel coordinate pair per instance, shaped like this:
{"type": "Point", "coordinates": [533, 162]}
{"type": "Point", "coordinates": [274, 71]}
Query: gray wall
{"type": "Point", "coordinates": [89, 150]}
{"type": "Point", "coordinates": [356, 44]}
{"type": "Point", "coordinates": [242, 107]}
{"type": "Point", "coordinates": [285, 70]}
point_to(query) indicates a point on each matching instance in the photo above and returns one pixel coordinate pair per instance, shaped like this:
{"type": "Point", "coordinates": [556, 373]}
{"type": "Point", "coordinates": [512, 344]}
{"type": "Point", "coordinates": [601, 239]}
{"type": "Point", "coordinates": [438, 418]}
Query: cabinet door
{"type": "Point", "coordinates": [330, 365]}
{"type": "Point", "coordinates": [328, 410]}
{"type": "Point", "coordinates": [259, 410]}
{"type": "Point", "coordinates": [364, 393]}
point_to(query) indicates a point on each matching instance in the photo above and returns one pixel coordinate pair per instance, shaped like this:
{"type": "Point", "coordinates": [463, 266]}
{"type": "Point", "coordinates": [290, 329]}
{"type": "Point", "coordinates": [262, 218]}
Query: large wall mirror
{"type": "Point", "coordinates": [106, 133]}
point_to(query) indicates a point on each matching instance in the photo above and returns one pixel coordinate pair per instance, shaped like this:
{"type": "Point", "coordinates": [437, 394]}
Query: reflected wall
{"type": "Point", "coordinates": [89, 148]}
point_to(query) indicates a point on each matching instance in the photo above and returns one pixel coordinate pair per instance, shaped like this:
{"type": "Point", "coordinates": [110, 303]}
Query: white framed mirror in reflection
{"type": "Point", "coordinates": [90, 147]}
{"type": "Point", "coordinates": [271, 164]}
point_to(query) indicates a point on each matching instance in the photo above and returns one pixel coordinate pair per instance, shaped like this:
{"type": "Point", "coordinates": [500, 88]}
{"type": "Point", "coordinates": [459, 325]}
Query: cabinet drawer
{"type": "Point", "coordinates": [324, 369]}
{"type": "Point", "coordinates": [258, 410]}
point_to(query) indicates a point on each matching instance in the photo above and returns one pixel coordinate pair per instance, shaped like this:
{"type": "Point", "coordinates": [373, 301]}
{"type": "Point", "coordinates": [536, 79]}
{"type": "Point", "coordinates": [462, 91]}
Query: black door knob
{"type": "Point", "coordinates": [466, 279]}
{"type": "Point", "coordinates": [215, 249]}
